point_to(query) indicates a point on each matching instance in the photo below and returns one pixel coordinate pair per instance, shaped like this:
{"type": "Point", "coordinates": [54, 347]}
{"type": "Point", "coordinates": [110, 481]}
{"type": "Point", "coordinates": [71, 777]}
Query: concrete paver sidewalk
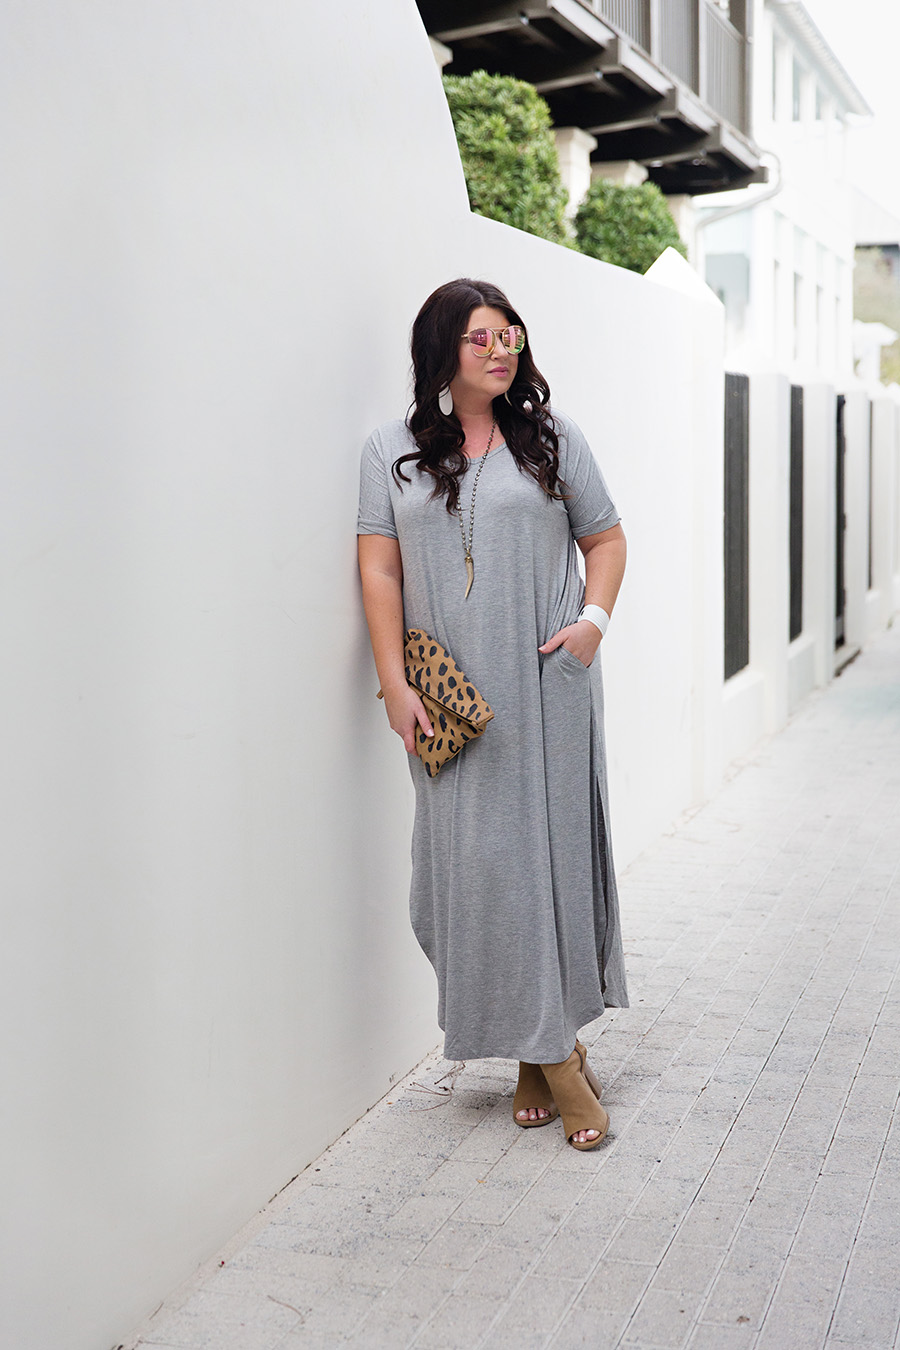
{"type": "Point", "coordinates": [748, 1194]}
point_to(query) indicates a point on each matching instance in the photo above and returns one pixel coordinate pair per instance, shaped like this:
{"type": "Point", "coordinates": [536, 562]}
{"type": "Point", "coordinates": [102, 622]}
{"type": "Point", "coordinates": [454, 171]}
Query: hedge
{"type": "Point", "coordinates": [628, 226]}
{"type": "Point", "coordinates": [508, 153]}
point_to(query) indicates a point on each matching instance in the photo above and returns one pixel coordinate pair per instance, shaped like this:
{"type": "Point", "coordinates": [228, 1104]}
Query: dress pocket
{"type": "Point", "coordinates": [568, 658]}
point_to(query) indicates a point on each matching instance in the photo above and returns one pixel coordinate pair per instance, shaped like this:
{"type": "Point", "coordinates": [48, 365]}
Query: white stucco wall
{"type": "Point", "coordinates": [219, 222]}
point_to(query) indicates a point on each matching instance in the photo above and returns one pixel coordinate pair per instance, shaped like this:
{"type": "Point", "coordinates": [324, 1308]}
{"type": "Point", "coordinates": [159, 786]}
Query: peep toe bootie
{"type": "Point", "coordinates": [532, 1090]}
{"type": "Point", "coordinates": [577, 1091]}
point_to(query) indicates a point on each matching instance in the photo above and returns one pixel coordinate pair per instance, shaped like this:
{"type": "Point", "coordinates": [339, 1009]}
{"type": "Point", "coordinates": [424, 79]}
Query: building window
{"type": "Point", "coordinates": [820, 103]}
{"type": "Point", "coordinates": [796, 100]}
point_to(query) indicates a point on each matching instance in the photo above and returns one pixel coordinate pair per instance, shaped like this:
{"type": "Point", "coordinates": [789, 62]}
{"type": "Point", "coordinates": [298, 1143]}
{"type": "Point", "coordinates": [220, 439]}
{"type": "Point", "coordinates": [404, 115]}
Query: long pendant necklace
{"type": "Point", "coordinates": [467, 547]}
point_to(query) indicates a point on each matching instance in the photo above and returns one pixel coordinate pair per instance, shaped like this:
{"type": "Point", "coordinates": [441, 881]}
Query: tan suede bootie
{"type": "Point", "coordinates": [532, 1090]}
{"type": "Point", "coordinates": [577, 1092]}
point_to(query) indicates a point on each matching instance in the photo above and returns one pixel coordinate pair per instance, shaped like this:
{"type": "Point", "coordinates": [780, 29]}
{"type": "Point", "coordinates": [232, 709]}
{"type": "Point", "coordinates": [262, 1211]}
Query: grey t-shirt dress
{"type": "Point", "coordinates": [513, 895]}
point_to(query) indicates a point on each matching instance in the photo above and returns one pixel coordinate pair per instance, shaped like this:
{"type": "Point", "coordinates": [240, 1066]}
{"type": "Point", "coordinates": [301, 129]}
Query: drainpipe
{"type": "Point", "coordinates": [714, 216]}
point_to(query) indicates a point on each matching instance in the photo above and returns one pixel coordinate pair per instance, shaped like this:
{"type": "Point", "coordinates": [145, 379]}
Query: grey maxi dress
{"type": "Point", "coordinates": [513, 895]}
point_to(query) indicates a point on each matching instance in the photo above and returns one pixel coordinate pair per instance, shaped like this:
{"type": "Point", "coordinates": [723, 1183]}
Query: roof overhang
{"type": "Point", "coordinates": [797, 22]}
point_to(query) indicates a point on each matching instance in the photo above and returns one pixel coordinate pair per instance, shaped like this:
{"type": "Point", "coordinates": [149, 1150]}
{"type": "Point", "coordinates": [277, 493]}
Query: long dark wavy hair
{"type": "Point", "coordinates": [525, 420]}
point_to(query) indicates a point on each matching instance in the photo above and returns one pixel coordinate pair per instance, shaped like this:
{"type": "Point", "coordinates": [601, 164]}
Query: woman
{"type": "Point", "coordinates": [468, 521]}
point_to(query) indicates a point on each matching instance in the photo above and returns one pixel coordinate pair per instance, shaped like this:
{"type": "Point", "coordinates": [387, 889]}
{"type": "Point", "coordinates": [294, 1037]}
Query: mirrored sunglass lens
{"type": "Point", "coordinates": [513, 339]}
{"type": "Point", "coordinates": [481, 339]}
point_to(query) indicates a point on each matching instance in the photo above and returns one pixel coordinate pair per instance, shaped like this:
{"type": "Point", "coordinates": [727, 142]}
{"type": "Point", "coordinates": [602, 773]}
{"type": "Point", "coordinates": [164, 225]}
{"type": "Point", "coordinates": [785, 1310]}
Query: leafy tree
{"type": "Point", "coordinates": [876, 299]}
{"type": "Point", "coordinates": [628, 226]}
{"type": "Point", "coordinates": [508, 153]}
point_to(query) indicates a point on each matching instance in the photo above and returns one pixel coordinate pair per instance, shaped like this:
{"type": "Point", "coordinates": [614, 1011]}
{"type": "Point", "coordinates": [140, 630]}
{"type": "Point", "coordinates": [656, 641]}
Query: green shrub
{"type": "Point", "coordinates": [508, 153]}
{"type": "Point", "coordinates": [628, 226]}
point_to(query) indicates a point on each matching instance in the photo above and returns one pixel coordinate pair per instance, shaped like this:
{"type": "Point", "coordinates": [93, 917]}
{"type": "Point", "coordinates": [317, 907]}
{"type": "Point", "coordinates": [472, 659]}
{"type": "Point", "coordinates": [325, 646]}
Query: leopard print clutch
{"type": "Point", "coordinates": [455, 708]}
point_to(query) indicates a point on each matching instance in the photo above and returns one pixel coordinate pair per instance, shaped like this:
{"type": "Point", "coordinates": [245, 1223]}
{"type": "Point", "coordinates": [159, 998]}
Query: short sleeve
{"type": "Point", "coordinates": [376, 513]}
{"type": "Point", "coordinates": [590, 507]}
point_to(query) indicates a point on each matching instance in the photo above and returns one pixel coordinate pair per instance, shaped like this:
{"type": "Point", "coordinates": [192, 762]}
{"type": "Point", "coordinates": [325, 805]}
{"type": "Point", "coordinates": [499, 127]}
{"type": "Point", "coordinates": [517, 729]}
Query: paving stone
{"type": "Point", "coordinates": [492, 1202]}
{"type": "Point", "coordinates": [867, 1315]}
{"type": "Point", "coordinates": [420, 1216]}
{"type": "Point", "coordinates": [739, 1298]}
{"type": "Point", "coordinates": [712, 1337]}
{"type": "Point", "coordinates": [458, 1321]}
{"type": "Point", "coordinates": [616, 1286]}
{"type": "Point", "coordinates": [584, 1326]}
{"type": "Point", "coordinates": [516, 1338]}
{"type": "Point", "coordinates": [261, 1268]}
{"type": "Point", "coordinates": [664, 1198]}
{"type": "Point", "coordinates": [382, 1331]}
{"type": "Point", "coordinates": [455, 1179]}
{"type": "Point", "coordinates": [773, 1208]}
{"type": "Point", "coordinates": [687, 1269]}
{"type": "Point", "coordinates": [802, 1307]}
{"type": "Point", "coordinates": [497, 1269]}
{"type": "Point", "coordinates": [664, 1318]}
{"type": "Point", "coordinates": [457, 1245]}
{"type": "Point", "coordinates": [744, 1146]}
{"type": "Point", "coordinates": [727, 1183]}
{"type": "Point", "coordinates": [759, 1251]}
{"type": "Point", "coordinates": [538, 1303]}
{"type": "Point", "coordinates": [572, 1253]}
{"type": "Point", "coordinates": [711, 1225]}
{"type": "Point", "coordinates": [860, 1157]}
{"type": "Point", "coordinates": [214, 1330]}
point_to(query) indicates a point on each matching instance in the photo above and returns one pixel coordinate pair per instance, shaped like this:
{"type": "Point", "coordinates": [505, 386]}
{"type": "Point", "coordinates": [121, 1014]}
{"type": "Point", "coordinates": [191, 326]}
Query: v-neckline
{"type": "Point", "coordinates": [473, 459]}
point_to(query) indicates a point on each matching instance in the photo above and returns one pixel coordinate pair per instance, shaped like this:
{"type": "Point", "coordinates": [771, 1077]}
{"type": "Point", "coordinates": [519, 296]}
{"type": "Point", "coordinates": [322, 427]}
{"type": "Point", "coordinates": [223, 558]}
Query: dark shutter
{"type": "Point", "coordinates": [869, 513]}
{"type": "Point", "coordinates": [840, 597]}
{"type": "Point", "coordinates": [796, 511]}
{"type": "Point", "coordinates": [737, 523]}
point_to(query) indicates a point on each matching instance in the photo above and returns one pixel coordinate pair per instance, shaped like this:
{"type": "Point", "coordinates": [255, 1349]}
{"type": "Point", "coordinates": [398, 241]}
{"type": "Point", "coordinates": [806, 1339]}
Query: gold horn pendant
{"type": "Point", "coordinates": [470, 574]}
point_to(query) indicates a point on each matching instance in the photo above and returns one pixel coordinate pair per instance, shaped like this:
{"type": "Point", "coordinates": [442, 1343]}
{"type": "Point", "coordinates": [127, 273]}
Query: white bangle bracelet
{"type": "Point", "coordinates": [597, 616]}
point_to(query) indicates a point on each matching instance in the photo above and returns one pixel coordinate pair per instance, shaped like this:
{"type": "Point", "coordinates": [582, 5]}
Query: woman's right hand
{"type": "Point", "coordinates": [406, 712]}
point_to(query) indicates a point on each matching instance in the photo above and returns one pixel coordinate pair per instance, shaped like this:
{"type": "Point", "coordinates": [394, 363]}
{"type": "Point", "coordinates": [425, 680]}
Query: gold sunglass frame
{"type": "Point", "coordinates": [495, 333]}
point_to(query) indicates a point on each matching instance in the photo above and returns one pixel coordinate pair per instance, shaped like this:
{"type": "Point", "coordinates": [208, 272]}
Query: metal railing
{"type": "Point", "coordinates": [724, 66]}
{"type": "Point", "coordinates": [678, 49]}
{"type": "Point", "coordinates": [631, 17]}
{"type": "Point", "coordinates": [691, 39]}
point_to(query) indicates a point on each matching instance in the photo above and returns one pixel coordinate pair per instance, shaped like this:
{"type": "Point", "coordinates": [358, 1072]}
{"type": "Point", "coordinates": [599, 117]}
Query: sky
{"type": "Point", "coordinates": [865, 37]}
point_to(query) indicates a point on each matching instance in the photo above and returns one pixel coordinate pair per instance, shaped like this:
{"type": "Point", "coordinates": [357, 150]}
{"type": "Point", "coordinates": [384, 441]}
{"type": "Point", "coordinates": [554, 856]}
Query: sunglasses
{"type": "Point", "coordinates": [483, 340]}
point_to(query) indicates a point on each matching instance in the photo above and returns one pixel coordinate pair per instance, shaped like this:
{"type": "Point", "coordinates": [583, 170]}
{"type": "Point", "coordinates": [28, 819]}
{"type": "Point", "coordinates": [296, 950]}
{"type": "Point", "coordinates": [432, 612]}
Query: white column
{"type": "Point", "coordinates": [819, 452]}
{"type": "Point", "coordinates": [625, 171]}
{"type": "Point", "coordinates": [684, 214]}
{"type": "Point", "coordinates": [884, 494]}
{"type": "Point", "coordinates": [443, 55]}
{"type": "Point", "coordinates": [770, 450]}
{"type": "Point", "coordinates": [573, 147]}
{"type": "Point", "coordinates": [856, 509]}
{"type": "Point", "coordinates": [703, 600]}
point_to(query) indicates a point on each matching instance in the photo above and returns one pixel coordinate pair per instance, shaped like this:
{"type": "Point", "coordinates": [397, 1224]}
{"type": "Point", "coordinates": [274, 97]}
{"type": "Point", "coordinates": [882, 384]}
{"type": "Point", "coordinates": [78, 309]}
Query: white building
{"type": "Point", "coordinates": [781, 257]}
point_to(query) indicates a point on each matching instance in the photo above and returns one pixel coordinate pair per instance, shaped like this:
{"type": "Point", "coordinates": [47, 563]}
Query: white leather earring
{"type": "Point", "coordinates": [445, 401]}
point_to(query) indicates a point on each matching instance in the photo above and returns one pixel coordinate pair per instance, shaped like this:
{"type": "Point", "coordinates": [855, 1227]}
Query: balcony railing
{"type": "Point", "coordinates": [724, 66]}
{"type": "Point", "coordinates": [691, 39]}
{"type": "Point", "coordinates": [631, 17]}
{"type": "Point", "coordinates": [677, 48]}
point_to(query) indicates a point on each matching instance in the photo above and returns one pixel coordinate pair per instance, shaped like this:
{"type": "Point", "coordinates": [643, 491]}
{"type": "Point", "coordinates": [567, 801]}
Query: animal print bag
{"type": "Point", "coordinates": [455, 708]}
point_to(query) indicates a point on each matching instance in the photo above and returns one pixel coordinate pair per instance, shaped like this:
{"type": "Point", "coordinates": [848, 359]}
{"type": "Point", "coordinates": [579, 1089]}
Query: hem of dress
{"type": "Point", "coordinates": [543, 1055]}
